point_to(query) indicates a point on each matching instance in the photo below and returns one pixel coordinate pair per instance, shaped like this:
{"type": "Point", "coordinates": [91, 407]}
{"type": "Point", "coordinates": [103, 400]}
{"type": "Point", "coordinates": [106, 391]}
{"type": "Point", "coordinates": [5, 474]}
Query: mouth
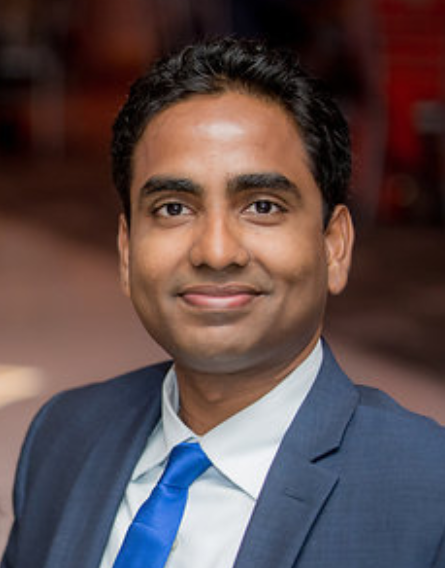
{"type": "Point", "coordinates": [219, 297]}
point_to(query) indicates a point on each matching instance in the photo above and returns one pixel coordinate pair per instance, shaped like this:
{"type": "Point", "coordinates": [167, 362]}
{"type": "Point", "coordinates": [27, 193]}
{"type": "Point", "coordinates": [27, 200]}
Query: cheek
{"type": "Point", "coordinates": [294, 260]}
{"type": "Point", "coordinates": [146, 278]}
{"type": "Point", "coordinates": [152, 257]}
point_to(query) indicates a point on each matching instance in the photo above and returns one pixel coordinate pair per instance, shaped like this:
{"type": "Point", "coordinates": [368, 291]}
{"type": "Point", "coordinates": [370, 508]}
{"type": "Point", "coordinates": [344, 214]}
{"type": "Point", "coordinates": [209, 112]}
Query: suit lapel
{"type": "Point", "coordinates": [299, 484]}
{"type": "Point", "coordinates": [284, 516]}
{"type": "Point", "coordinates": [94, 498]}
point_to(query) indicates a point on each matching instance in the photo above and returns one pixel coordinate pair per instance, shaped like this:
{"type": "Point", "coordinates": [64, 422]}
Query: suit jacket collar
{"type": "Point", "coordinates": [298, 485]}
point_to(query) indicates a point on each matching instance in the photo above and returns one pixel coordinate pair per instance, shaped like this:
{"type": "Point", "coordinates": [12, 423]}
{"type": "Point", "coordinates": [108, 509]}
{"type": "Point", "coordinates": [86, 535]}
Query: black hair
{"type": "Point", "coordinates": [247, 66]}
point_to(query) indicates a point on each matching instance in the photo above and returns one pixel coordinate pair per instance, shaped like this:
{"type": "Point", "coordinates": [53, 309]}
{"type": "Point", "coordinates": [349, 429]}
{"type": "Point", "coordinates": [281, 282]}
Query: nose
{"type": "Point", "coordinates": [218, 244]}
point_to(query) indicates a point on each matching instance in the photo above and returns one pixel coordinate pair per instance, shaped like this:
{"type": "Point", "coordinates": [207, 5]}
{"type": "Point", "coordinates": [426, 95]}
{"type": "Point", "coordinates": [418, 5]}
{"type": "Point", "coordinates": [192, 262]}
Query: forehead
{"type": "Point", "coordinates": [219, 136]}
{"type": "Point", "coordinates": [212, 115]}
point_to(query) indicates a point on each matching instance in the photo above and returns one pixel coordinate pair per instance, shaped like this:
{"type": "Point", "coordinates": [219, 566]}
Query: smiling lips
{"type": "Point", "coordinates": [215, 297]}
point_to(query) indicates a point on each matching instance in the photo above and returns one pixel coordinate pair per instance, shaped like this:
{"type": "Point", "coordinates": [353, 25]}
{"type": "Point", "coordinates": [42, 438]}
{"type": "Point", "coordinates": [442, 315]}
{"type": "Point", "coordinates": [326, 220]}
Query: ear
{"type": "Point", "coordinates": [339, 240]}
{"type": "Point", "coordinates": [124, 254]}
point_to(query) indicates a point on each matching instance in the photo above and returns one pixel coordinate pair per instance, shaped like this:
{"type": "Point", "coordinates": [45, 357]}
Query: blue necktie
{"type": "Point", "coordinates": [150, 537]}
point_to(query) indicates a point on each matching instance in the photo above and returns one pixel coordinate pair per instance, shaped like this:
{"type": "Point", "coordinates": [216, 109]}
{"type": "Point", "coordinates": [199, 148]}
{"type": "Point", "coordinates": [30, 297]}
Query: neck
{"type": "Point", "coordinates": [208, 399]}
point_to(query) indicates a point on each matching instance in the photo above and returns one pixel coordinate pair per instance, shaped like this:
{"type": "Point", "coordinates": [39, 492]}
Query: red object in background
{"type": "Point", "coordinates": [413, 34]}
{"type": "Point", "coordinates": [413, 47]}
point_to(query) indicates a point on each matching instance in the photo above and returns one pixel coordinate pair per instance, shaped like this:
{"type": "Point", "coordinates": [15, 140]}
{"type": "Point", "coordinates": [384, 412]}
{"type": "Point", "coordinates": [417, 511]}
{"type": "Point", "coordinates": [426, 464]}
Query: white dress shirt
{"type": "Point", "coordinates": [221, 500]}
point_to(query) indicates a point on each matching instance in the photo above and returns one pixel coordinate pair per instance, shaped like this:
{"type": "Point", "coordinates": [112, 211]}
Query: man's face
{"type": "Point", "coordinates": [226, 260]}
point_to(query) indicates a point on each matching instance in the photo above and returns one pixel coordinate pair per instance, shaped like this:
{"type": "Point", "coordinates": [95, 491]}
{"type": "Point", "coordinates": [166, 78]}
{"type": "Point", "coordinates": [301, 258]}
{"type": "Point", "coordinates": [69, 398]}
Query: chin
{"type": "Point", "coordinates": [216, 361]}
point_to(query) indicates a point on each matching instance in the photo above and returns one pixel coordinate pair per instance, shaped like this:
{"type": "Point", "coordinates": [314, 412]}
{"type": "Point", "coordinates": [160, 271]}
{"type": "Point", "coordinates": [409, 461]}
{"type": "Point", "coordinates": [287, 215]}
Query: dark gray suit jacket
{"type": "Point", "coordinates": [358, 482]}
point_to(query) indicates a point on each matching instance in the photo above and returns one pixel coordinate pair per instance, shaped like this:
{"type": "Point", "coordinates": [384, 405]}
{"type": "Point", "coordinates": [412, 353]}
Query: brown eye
{"type": "Point", "coordinates": [172, 209]}
{"type": "Point", "coordinates": [264, 207]}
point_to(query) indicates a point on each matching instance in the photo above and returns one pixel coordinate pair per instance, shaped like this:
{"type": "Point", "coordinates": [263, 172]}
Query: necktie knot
{"type": "Point", "coordinates": [186, 463]}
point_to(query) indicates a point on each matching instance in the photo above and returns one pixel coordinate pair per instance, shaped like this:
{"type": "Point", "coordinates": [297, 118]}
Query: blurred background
{"type": "Point", "coordinates": [65, 68]}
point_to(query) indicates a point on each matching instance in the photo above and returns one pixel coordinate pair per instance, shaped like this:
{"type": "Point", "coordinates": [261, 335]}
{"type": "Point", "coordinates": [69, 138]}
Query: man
{"type": "Point", "coordinates": [233, 167]}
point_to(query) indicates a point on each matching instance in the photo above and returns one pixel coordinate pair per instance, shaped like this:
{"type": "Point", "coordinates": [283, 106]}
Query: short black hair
{"type": "Point", "coordinates": [247, 66]}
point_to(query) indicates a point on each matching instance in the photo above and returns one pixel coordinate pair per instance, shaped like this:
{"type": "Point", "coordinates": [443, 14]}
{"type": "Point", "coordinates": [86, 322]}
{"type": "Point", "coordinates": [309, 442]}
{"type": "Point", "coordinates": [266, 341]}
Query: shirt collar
{"type": "Point", "coordinates": [242, 447]}
{"type": "Point", "coordinates": [169, 432]}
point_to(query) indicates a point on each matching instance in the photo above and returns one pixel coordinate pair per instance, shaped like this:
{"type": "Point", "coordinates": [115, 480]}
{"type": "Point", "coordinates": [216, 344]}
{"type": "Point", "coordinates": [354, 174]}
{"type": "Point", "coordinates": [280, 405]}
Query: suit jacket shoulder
{"type": "Point", "coordinates": [400, 431]}
{"type": "Point", "coordinates": [85, 409]}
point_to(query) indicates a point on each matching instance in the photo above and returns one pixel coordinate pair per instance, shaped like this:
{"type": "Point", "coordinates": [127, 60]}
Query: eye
{"type": "Point", "coordinates": [264, 207]}
{"type": "Point", "coordinates": [172, 209]}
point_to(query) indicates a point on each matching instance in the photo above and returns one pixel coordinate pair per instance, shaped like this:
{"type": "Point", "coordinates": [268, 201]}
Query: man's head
{"type": "Point", "coordinates": [247, 67]}
{"type": "Point", "coordinates": [230, 255]}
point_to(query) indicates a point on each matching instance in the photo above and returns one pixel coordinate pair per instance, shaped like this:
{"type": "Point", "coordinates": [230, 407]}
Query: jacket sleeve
{"type": "Point", "coordinates": [12, 555]}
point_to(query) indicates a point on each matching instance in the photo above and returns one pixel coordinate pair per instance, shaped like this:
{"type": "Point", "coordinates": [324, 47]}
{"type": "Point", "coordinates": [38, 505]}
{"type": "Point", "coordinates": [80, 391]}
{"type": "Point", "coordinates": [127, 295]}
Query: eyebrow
{"type": "Point", "coordinates": [159, 184]}
{"type": "Point", "coordinates": [263, 180]}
